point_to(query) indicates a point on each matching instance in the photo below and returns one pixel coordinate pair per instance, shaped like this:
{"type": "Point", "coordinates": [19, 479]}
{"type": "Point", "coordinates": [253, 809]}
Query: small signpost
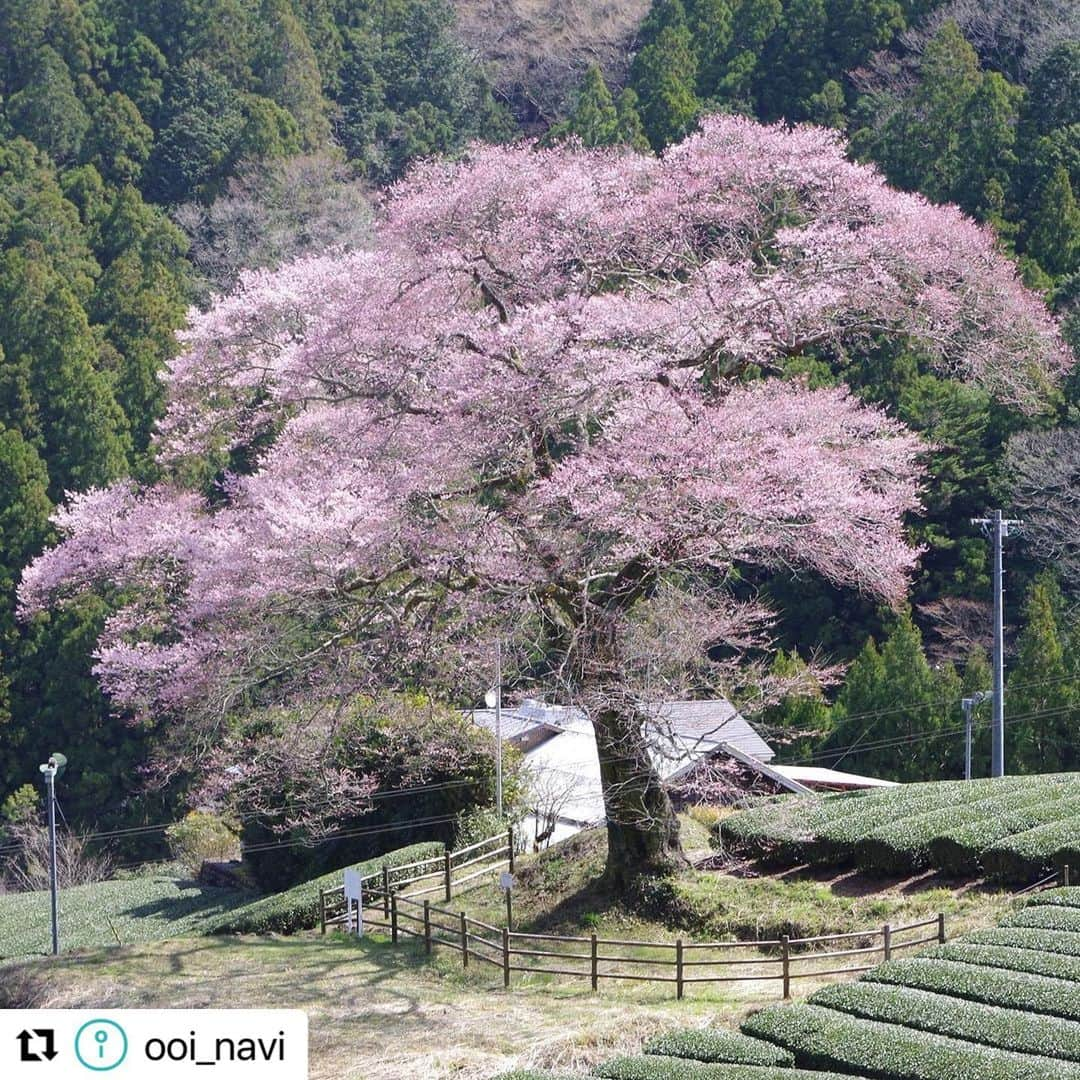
{"type": "Point", "coordinates": [354, 894]}
{"type": "Point", "coordinates": [506, 883]}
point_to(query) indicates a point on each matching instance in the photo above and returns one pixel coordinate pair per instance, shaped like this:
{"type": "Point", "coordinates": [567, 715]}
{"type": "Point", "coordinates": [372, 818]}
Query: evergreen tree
{"type": "Point", "coordinates": [628, 117]}
{"type": "Point", "coordinates": [1040, 698]}
{"type": "Point", "coordinates": [664, 76]}
{"type": "Point", "coordinates": [83, 430]}
{"type": "Point", "coordinates": [987, 138]}
{"type": "Point", "coordinates": [288, 72]}
{"type": "Point", "coordinates": [710, 24]}
{"type": "Point", "coordinates": [1054, 233]}
{"type": "Point", "coordinates": [593, 119]}
{"type": "Point", "coordinates": [802, 718]}
{"type": "Point", "coordinates": [118, 142]}
{"type": "Point", "coordinates": [47, 111]}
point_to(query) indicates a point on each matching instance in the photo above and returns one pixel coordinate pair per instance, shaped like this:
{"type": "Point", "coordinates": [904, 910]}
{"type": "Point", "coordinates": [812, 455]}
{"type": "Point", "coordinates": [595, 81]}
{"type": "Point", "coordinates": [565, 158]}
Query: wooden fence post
{"type": "Point", "coordinates": [393, 920]}
{"type": "Point", "coordinates": [322, 910]}
{"type": "Point", "coordinates": [887, 937]}
{"type": "Point", "coordinates": [464, 941]}
{"type": "Point", "coordinates": [941, 927]}
{"type": "Point", "coordinates": [446, 871]}
{"type": "Point", "coordinates": [427, 926]}
{"type": "Point", "coordinates": [510, 846]}
{"type": "Point", "coordinates": [506, 958]}
{"type": "Point", "coordinates": [786, 958]}
{"type": "Point", "coordinates": [385, 891]}
{"type": "Point", "coordinates": [1065, 875]}
{"type": "Point", "coordinates": [595, 966]}
{"type": "Point", "coordinates": [678, 969]}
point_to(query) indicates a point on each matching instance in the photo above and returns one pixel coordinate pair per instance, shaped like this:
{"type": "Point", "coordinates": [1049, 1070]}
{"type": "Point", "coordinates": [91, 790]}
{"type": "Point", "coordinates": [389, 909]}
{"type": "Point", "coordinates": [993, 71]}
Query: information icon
{"type": "Point", "coordinates": [100, 1045]}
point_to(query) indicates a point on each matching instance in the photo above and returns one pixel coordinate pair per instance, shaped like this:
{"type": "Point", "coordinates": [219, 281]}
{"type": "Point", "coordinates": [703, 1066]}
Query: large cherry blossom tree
{"type": "Point", "coordinates": [546, 407]}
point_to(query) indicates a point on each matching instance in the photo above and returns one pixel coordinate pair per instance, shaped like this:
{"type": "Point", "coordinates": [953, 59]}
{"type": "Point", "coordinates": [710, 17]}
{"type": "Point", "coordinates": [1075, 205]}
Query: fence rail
{"type": "Point", "coordinates": [783, 960]}
{"type": "Point", "coordinates": [397, 900]}
{"type": "Point", "coordinates": [379, 888]}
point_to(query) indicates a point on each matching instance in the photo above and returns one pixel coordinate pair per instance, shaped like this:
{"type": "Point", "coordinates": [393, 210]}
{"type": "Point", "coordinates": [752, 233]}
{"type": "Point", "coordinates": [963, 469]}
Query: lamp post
{"type": "Point", "coordinates": [50, 771]}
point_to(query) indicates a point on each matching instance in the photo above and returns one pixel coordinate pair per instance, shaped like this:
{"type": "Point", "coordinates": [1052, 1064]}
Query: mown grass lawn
{"type": "Point", "coordinates": [127, 912]}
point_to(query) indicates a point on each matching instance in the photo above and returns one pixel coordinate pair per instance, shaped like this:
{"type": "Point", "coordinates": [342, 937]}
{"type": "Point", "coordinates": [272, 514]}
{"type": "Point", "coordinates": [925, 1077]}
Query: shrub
{"type": "Point", "coordinates": [905, 844]}
{"type": "Point", "coordinates": [674, 1068]}
{"type": "Point", "coordinates": [1048, 917]}
{"type": "Point", "coordinates": [1027, 937]}
{"type": "Point", "coordinates": [1064, 897]}
{"type": "Point", "coordinates": [1009, 989]}
{"type": "Point", "coordinates": [1027, 855]}
{"type": "Point", "coordinates": [974, 1022]}
{"type": "Point", "coordinates": [478, 823]}
{"type": "Point", "coordinates": [822, 1038]}
{"type": "Point", "coordinates": [1006, 958]}
{"type": "Point", "coordinates": [538, 1074]}
{"type": "Point", "coordinates": [298, 908]}
{"type": "Point", "coordinates": [717, 1045]}
{"type": "Point", "coordinates": [960, 852]}
{"type": "Point", "coordinates": [201, 837]}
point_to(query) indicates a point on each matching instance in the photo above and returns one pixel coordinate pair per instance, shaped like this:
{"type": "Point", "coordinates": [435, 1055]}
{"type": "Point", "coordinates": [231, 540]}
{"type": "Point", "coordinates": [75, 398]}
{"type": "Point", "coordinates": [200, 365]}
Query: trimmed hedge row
{"type": "Point", "coordinates": [839, 837]}
{"type": "Point", "coordinates": [971, 1021]}
{"type": "Point", "coordinates": [960, 852]}
{"type": "Point", "coordinates": [538, 1074]}
{"type": "Point", "coordinates": [1047, 917]}
{"type": "Point", "coordinates": [1027, 937]}
{"type": "Point", "coordinates": [822, 1038]}
{"type": "Point", "coordinates": [1027, 855]}
{"type": "Point", "coordinates": [1005, 958]}
{"type": "Point", "coordinates": [647, 1067]}
{"type": "Point", "coordinates": [717, 1045]}
{"type": "Point", "coordinates": [946, 823]}
{"type": "Point", "coordinates": [905, 844]}
{"type": "Point", "coordinates": [298, 908]}
{"type": "Point", "coordinates": [1066, 896]}
{"type": "Point", "coordinates": [1009, 989]}
{"type": "Point", "coordinates": [780, 831]}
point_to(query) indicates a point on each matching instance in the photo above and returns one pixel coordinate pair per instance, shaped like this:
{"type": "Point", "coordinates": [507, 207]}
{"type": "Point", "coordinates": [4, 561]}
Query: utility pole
{"type": "Point", "coordinates": [997, 528]}
{"type": "Point", "coordinates": [493, 700]}
{"type": "Point", "coordinates": [968, 705]}
{"type": "Point", "coordinates": [50, 770]}
{"type": "Point", "coordinates": [498, 731]}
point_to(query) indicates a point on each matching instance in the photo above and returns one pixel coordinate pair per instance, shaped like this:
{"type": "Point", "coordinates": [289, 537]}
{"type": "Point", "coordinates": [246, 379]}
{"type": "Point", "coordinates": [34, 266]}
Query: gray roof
{"type": "Point", "coordinates": [697, 726]}
{"type": "Point", "coordinates": [707, 723]}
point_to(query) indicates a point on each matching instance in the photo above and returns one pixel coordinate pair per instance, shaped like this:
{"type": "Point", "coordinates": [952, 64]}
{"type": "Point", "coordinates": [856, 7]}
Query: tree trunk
{"type": "Point", "coordinates": [643, 831]}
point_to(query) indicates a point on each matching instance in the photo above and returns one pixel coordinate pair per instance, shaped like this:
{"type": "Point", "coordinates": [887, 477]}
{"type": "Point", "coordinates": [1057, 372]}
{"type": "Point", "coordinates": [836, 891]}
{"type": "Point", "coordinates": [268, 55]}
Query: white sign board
{"type": "Point", "coordinates": [352, 885]}
{"type": "Point", "coordinates": [506, 880]}
{"type": "Point", "coordinates": [354, 898]}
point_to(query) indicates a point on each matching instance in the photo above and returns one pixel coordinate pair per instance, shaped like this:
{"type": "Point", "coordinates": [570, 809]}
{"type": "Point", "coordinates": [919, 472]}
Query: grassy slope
{"type": "Point", "coordinates": [140, 909]}
{"type": "Point", "coordinates": [377, 1013]}
{"type": "Point", "coordinates": [560, 892]}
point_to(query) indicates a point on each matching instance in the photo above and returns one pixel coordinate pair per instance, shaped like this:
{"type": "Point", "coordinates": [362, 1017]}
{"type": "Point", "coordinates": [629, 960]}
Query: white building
{"type": "Point", "coordinates": [560, 753]}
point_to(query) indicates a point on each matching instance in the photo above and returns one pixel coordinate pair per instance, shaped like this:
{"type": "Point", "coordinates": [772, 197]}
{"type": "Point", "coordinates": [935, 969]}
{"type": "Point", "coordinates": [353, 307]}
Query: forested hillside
{"type": "Point", "coordinates": [150, 151]}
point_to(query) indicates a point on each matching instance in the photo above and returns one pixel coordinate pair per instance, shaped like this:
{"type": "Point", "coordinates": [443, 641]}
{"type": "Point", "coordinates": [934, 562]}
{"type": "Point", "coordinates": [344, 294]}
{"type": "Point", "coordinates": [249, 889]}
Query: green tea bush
{"type": "Point", "coordinates": [1009, 989]}
{"type": "Point", "coordinates": [298, 908]}
{"type": "Point", "coordinates": [1063, 897]}
{"type": "Point", "coordinates": [1024, 856]}
{"type": "Point", "coordinates": [1027, 937]}
{"type": "Point", "coordinates": [905, 844]}
{"type": "Point", "coordinates": [672, 1068]}
{"type": "Point", "coordinates": [717, 1045]}
{"type": "Point", "coordinates": [960, 852]}
{"type": "Point", "coordinates": [538, 1074]}
{"type": "Point", "coordinates": [974, 1022]}
{"type": "Point", "coordinates": [1009, 959]}
{"type": "Point", "coordinates": [1048, 917]}
{"type": "Point", "coordinates": [825, 1039]}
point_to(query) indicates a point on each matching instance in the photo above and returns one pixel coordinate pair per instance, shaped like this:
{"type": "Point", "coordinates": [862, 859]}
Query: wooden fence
{"type": "Point", "coordinates": [437, 874]}
{"type": "Point", "coordinates": [678, 962]}
{"type": "Point", "coordinates": [397, 900]}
